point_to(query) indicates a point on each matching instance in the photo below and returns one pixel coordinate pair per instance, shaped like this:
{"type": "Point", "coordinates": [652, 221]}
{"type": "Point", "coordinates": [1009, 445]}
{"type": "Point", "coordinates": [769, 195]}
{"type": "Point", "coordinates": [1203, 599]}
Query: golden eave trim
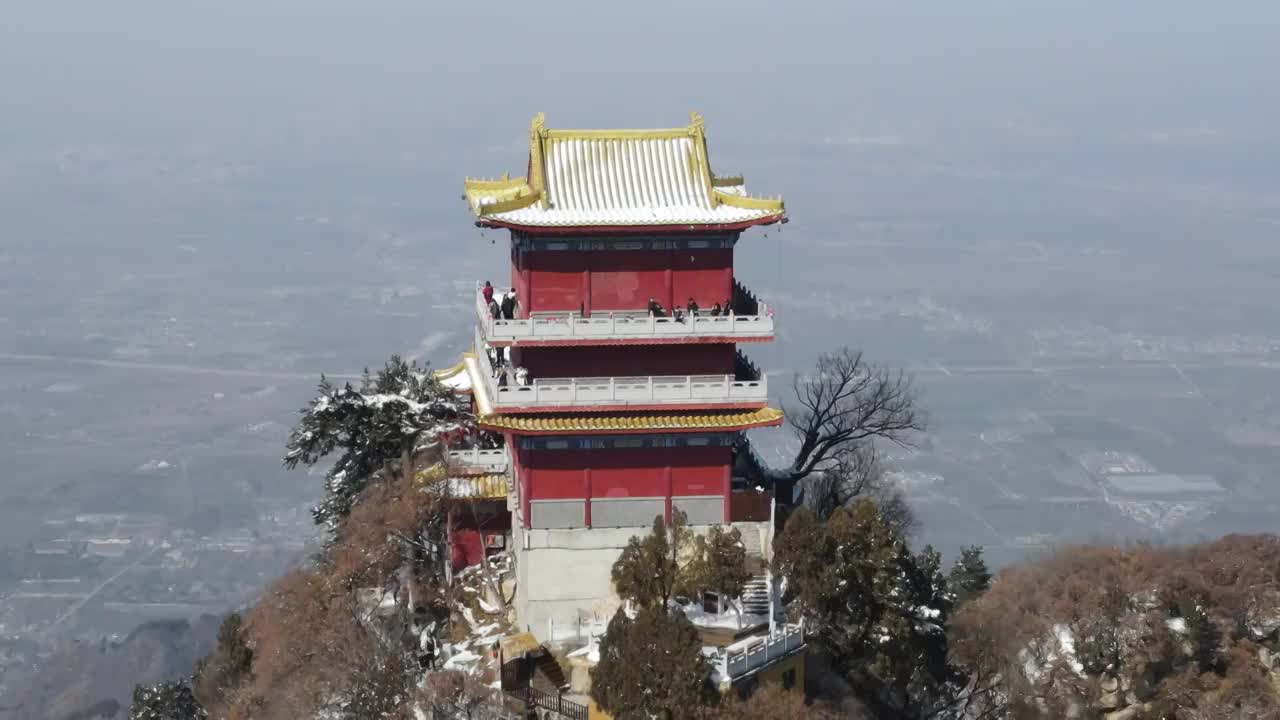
{"type": "Point", "coordinates": [728, 181]}
{"type": "Point", "coordinates": [587, 423]}
{"type": "Point", "coordinates": [751, 203]}
{"type": "Point", "coordinates": [494, 184]}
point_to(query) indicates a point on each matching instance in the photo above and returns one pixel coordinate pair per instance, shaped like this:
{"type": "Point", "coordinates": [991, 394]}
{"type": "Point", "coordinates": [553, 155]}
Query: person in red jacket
{"type": "Point", "coordinates": [487, 291]}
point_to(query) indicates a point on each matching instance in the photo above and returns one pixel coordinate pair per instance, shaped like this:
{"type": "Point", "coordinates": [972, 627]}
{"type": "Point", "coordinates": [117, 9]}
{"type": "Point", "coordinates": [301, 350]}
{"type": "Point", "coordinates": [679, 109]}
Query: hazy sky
{"type": "Point", "coordinates": [317, 75]}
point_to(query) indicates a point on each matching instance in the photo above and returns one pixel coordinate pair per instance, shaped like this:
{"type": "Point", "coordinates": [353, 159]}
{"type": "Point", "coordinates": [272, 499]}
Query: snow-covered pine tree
{"type": "Point", "coordinates": [165, 701]}
{"type": "Point", "coordinates": [400, 410]}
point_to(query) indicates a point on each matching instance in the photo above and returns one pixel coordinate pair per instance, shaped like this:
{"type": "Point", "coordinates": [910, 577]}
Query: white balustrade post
{"type": "Point", "coordinates": [613, 324]}
{"type": "Point", "coordinates": [613, 391]}
{"type": "Point", "coordinates": [733, 321]}
{"type": "Point", "coordinates": [573, 388]}
{"type": "Point", "coordinates": [650, 387]}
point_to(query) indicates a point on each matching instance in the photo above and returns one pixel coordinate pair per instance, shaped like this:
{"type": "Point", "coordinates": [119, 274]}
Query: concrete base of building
{"type": "Point", "coordinates": [563, 584]}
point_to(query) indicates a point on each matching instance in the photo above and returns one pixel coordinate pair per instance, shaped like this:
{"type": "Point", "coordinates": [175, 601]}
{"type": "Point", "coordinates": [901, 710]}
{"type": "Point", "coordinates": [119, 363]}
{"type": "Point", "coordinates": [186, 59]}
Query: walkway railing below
{"type": "Point", "coordinates": [746, 655]}
{"type": "Point", "coordinates": [623, 324]}
{"type": "Point", "coordinates": [487, 460]}
{"type": "Point", "coordinates": [608, 391]}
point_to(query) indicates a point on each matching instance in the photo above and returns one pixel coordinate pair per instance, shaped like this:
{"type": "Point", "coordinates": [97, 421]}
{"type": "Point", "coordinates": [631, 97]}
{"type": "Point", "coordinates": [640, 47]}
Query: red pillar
{"type": "Point", "coordinates": [525, 475]}
{"type": "Point", "coordinates": [586, 495]}
{"type": "Point", "coordinates": [586, 288]}
{"type": "Point", "coordinates": [666, 476]}
{"type": "Point", "coordinates": [671, 292]}
{"type": "Point", "coordinates": [525, 292]}
{"type": "Point", "coordinates": [728, 491]}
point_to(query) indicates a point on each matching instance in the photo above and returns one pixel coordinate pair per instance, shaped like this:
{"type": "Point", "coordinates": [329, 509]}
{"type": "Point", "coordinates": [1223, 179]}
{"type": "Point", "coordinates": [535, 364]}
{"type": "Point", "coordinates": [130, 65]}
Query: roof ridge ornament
{"type": "Point", "coordinates": [696, 126]}
{"type": "Point", "coordinates": [537, 160]}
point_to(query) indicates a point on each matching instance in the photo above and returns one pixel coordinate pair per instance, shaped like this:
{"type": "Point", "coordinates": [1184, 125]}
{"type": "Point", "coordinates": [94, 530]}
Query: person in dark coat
{"type": "Point", "coordinates": [692, 307]}
{"type": "Point", "coordinates": [487, 292]}
{"type": "Point", "coordinates": [655, 310]}
{"type": "Point", "coordinates": [715, 310]}
{"type": "Point", "coordinates": [509, 305]}
{"type": "Point", "coordinates": [494, 310]}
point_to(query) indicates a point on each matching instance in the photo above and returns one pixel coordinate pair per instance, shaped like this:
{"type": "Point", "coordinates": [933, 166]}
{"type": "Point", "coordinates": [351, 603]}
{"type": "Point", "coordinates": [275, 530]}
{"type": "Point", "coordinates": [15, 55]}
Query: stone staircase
{"type": "Point", "coordinates": [755, 596]}
{"type": "Point", "coordinates": [548, 674]}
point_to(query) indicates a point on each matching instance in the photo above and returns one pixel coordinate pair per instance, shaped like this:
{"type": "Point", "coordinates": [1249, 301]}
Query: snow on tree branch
{"type": "Point", "coordinates": [400, 409]}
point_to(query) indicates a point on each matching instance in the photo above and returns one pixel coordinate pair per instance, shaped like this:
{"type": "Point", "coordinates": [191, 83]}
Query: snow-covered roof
{"type": "Point", "coordinates": [454, 377]}
{"type": "Point", "coordinates": [619, 178]}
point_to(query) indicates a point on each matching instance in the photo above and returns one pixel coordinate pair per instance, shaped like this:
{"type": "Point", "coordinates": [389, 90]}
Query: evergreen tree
{"type": "Point", "coordinates": [165, 701]}
{"type": "Point", "coordinates": [220, 672]}
{"type": "Point", "coordinates": [969, 575]}
{"type": "Point", "coordinates": [878, 611]}
{"type": "Point", "coordinates": [726, 571]}
{"type": "Point", "coordinates": [648, 570]}
{"type": "Point", "coordinates": [651, 667]}
{"type": "Point", "coordinates": [399, 411]}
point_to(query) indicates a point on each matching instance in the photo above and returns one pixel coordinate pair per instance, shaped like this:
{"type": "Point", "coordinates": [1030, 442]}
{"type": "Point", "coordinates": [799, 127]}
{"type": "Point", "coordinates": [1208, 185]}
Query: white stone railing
{"type": "Point", "coordinates": [545, 326]}
{"type": "Point", "coordinates": [746, 655]}
{"type": "Point", "coordinates": [489, 460]}
{"type": "Point", "coordinates": [645, 390]}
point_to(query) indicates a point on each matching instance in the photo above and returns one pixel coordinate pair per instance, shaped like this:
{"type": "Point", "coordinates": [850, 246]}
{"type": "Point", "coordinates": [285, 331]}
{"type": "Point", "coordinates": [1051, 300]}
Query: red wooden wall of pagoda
{"type": "Point", "coordinates": [468, 526]}
{"type": "Point", "coordinates": [627, 360]}
{"type": "Point", "coordinates": [624, 472]}
{"type": "Point", "coordinates": [604, 280]}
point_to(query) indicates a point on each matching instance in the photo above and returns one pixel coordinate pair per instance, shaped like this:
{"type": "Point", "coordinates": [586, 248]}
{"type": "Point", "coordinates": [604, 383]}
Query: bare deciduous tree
{"type": "Point", "coordinates": [843, 408]}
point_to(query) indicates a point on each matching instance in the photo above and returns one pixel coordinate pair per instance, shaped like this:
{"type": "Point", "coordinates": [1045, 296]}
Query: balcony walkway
{"type": "Point", "coordinates": [654, 392]}
{"type": "Point", "coordinates": [624, 327]}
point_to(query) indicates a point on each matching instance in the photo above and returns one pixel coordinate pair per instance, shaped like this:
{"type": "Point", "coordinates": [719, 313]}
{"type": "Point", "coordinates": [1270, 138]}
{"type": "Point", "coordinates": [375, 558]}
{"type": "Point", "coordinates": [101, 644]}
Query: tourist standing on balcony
{"type": "Point", "coordinates": [692, 307]}
{"type": "Point", "coordinates": [728, 307]}
{"type": "Point", "coordinates": [494, 310]}
{"type": "Point", "coordinates": [487, 291]}
{"type": "Point", "coordinates": [522, 376]}
{"type": "Point", "coordinates": [655, 310]}
{"type": "Point", "coordinates": [715, 310]}
{"type": "Point", "coordinates": [509, 304]}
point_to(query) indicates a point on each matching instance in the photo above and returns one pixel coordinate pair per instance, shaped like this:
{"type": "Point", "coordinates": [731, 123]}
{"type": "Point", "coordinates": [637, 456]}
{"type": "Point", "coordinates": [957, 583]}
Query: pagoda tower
{"type": "Point", "coordinates": [613, 414]}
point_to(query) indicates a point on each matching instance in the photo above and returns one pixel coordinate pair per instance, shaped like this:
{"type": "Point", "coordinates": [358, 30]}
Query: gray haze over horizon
{"type": "Point", "coordinates": [1062, 217]}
